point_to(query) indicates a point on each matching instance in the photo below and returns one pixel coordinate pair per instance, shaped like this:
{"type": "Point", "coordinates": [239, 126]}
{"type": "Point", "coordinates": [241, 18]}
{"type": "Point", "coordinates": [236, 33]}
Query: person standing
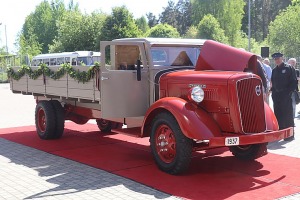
{"type": "Point", "coordinates": [284, 82]}
{"type": "Point", "coordinates": [293, 62]}
{"type": "Point", "coordinates": [268, 72]}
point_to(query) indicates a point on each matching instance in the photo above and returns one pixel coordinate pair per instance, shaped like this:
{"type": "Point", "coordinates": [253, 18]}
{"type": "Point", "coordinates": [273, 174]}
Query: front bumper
{"type": "Point", "coordinates": [251, 138]}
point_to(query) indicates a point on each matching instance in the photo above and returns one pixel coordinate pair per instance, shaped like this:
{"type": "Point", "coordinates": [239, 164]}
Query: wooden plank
{"type": "Point", "coordinates": [37, 85]}
{"type": "Point", "coordinates": [57, 87]}
{"type": "Point", "coordinates": [21, 84]}
{"type": "Point", "coordinates": [81, 94]}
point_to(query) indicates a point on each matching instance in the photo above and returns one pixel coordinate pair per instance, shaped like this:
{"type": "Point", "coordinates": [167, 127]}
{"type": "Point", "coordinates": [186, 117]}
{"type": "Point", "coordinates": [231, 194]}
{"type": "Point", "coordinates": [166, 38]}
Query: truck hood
{"type": "Point", "coordinates": [218, 56]}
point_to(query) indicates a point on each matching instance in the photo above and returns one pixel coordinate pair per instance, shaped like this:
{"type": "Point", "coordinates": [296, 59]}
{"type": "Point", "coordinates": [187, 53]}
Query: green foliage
{"type": "Point", "coordinates": [178, 16]}
{"type": "Point", "coordinates": [77, 31]}
{"type": "Point", "coordinates": [209, 28]}
{"type": "Point", "coordinates": [295, 2]}
{"type": "Point", "coordinates": [284, 32]}
{"type": "Point", "coordinates": [152, 21]}
{"type": "Point", "coordinates": [228, 13]}
{"type": "Point", "coordinates": [242, 41]}
{"type": "Point", "coordinates": [262, 12]}
{"type": "Point", "coordinates": [163, 31]}
{"type": "Point", "coordinates": [191, 33]}
{"type": "Point", "coordinates": [120, 24]}
{"type": "Point", "coordinates": [169, 15]}
{"type": "Point", "coordinates": [43, 69]}
{"type": "Point", "coordinates": [142, 24]}
{"type": "Point", "coordinates": [40, 26]}
{"type": "Point", "coordinates": [231, 19]}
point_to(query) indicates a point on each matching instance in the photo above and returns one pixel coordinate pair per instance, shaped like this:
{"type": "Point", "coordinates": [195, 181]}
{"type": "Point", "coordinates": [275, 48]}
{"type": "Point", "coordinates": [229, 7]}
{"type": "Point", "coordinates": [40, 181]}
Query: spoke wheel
{"type": "Point", "coordinates": [165, 143]}
{"type": "Point", "coordinates": [41, 120]}
{"type": "Point", "coordinates": [45, 120]}
{"type": "Point", "coordinates": [170, 148]}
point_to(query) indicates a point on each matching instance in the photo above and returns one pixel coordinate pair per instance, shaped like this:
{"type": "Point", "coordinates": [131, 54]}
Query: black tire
{"type": "Point", "coordinates": [249, 152]}
{"type": "Point", "coordinates": [171, 149]}
{"type": "Point", "coordinates": [59, 118]}
{"type": "Point", "coordinates": [104, 126]}
{"type": "Point", "coordinates": [45, 120]}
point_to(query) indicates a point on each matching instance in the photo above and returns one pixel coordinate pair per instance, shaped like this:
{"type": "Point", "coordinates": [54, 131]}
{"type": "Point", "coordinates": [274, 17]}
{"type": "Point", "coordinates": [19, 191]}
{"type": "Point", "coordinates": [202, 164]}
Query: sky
{"type": "Point", "coordinates": [14, 12]}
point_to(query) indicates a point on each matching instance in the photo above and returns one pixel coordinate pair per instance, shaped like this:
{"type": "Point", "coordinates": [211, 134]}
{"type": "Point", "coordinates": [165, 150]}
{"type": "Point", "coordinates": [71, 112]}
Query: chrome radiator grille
{"type": "Point", "coordinates": [251, 105]}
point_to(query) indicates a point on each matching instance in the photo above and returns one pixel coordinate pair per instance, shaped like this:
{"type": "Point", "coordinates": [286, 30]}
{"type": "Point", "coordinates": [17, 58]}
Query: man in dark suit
{"type": "Point", "coordinates": [284, 82]}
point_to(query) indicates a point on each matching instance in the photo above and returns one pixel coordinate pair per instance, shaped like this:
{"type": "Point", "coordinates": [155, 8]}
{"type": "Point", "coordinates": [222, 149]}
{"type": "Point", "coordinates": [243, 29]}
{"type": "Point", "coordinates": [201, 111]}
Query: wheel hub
{"type": "Point", "coordinates": [165, 143]}
{"type": "Point", "coordinates": [42, 120]}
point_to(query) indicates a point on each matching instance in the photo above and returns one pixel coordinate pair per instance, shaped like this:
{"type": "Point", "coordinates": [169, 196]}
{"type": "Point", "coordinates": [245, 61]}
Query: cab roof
{"type": "Point", "coordinates": [166, 41]}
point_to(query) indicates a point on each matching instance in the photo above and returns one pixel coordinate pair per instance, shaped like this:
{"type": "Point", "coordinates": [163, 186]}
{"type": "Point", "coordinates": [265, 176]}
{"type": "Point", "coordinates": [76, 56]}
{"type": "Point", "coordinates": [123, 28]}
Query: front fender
{"type": "Point", "coordinates": [271, 120]}
{"type": "Point", "coordinates": [194, 122]}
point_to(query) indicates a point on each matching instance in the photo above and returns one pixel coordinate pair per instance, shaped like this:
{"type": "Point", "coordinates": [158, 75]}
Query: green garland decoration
{"type": "Point", "coordinates": [43, 69]}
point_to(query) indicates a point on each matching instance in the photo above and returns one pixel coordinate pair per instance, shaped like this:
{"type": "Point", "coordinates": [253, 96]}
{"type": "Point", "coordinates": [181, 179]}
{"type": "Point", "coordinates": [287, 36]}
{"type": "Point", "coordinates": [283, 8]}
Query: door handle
{"type": "Point", "coordinates": [104, 78]}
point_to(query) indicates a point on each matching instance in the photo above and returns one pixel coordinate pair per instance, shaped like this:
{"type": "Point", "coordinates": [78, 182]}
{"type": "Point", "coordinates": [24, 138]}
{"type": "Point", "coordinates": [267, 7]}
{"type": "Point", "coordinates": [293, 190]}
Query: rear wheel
{"type": "Point", "coordinates": [106, 126]}
{"type": "Point", "coordinates": [249, 152]}
{"type": "Point", "coordinates": [171, 149]}
{"type": "Point", "coordinates": [45, 120]}
{"type": "Point", "coordinates": [59, 119]}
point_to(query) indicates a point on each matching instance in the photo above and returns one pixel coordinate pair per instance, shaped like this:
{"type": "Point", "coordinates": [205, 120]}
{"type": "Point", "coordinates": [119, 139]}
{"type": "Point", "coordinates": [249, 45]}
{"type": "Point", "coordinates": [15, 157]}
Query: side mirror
{"type": "Point", "coordinates": [138, 71]}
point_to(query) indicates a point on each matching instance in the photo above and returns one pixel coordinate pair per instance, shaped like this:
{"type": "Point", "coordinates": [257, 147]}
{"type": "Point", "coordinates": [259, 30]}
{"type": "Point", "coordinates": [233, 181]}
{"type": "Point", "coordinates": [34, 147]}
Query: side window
{"type": "Point", "coordinates": [74, 63]}
{"type": "Point", "coordinates": [46, 61]}
{"type": "Point", "coordinates": [67, 59]}
{"type": "Point", "coordinates": [126, 57]}
{"type": "Point", "coordinates": [60, 61]}
{"type": "Point", "coordinates": [159, 57]}
{"type": "Point", "coordinates": [52, 61]}
{"type": "Point", "coordinates": [34, 62]}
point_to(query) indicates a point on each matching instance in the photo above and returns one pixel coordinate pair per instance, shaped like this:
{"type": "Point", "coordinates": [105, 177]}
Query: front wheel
{"type": "Point", "coordinates": [249, 152]}
{"type": "Point", "coordinates": [171, 149]}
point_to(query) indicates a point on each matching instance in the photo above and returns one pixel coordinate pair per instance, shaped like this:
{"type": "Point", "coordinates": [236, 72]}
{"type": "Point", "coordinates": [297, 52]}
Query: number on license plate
{"type": "Point", "coordinates": [231, 141]}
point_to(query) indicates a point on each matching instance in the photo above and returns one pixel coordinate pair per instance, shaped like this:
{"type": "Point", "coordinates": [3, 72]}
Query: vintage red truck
{"type": "Point", "coordinates": [185, 94]}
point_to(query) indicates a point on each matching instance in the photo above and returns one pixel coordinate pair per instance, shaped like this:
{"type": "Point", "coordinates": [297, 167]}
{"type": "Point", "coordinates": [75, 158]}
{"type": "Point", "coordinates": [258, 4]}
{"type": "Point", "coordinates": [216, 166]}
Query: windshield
{"type": "Point", "coordinates": [175, 56]}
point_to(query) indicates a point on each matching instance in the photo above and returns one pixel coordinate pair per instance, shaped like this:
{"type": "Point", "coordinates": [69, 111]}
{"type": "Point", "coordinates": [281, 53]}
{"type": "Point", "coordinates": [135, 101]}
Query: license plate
{"type": "Point", "coordinates": [231, 141]}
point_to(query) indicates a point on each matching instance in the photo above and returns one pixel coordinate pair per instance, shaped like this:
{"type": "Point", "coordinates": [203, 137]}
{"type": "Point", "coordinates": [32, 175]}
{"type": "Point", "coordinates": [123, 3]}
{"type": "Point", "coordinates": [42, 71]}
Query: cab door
{"type": "Point", "coordinates": [122, 95]}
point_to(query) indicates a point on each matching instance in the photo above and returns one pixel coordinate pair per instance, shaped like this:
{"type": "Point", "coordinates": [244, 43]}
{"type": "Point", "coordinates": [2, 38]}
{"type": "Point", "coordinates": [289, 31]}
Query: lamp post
{"type": "Point", "coordinates": [249, 26]}
{"type": "Point", "coordinates": [5, 38]}
{"type": "Point", "coordinates": [5, 46]}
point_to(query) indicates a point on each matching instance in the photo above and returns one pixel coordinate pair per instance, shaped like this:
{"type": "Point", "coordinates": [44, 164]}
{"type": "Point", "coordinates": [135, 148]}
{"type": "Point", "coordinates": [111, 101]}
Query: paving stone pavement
{"type": "Point", "coordinates": [27, 173]}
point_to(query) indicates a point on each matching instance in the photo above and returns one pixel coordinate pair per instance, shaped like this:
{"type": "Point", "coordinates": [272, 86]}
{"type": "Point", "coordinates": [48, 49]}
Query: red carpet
{"type": "Point", "coordinates": [213, 174]}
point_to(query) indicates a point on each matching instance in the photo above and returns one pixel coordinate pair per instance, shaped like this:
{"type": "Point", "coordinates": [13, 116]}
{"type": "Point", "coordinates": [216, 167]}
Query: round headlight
{"type": "Point", "coordinates": [197, 94]}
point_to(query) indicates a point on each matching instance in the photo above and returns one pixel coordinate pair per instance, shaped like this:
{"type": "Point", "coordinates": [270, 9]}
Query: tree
{"type": "Point", "coordinates": [42, 23]}
{"type": "Point", "coordinates": [184, 16]}
{"type": "Point", "coordinates": [284, 32]}
{"type": "Point", "coordinates": [169, 15]}
{"type": "Point", "coordinates": [228, 13]}
{"type": "Point", "coordinates": [78, 31]}
{"type": "Point", "coordinates": [209, 28]}
{"type": "Point", "coordinates": [191, 33]}
{"type": "Point", "coordinates": [142, 24]}
{"type": "Point", "coordinates": [178, 16]}
{"type": "Point", "coordinates": [231, 19]}
{"type": "Point", "coordinates": [120, 24]}
{"type": "Point", "coordinates": [262, 13]}
{"type": "Point", "coordinates": [152, 21]}
{"type": "Point", "coordinates": [164, 31]}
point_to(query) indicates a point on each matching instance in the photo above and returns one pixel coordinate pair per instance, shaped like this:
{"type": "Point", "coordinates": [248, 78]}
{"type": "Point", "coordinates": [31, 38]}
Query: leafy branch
{"type": "Point", "coordinates": [80, 76]}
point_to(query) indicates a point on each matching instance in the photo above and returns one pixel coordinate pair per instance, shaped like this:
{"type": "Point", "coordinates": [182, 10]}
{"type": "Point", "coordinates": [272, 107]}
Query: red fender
{"type": "Point", "coordinates": [271, 120]}
{"type": "Point", "coordinates": [194, 122]}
